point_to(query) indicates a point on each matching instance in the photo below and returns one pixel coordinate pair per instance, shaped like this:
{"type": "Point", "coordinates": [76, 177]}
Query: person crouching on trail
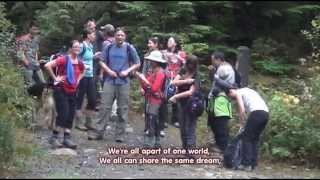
{"type": "Point", "coordinates": [250, 102]}
{"type": "Point", "coordinates": [70, 72]}
{"type": "Point", "coordinates": [153, 86]}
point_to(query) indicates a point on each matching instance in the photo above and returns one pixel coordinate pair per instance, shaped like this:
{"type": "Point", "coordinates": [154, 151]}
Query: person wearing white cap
{"type": "Point", "coordinates": [153, 86]}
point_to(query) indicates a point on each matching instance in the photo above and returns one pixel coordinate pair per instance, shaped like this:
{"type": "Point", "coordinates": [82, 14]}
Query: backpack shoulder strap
{"type": "Point", "coordinates": [129, 49]}
{"type": "Point", "coordinates": [108, 52]}
{"type": "Point", "coordinates": [83, 50]}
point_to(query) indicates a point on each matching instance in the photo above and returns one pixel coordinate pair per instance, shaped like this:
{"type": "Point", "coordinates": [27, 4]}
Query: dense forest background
{"type": "Point", "coordinates": [283, 38]}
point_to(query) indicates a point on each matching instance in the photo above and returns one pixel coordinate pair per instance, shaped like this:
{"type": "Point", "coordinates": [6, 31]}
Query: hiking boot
{"type": "Point", "coordinates": [119, 139]}
{"type": "Point", "coordinates": [81, 127]}
{"type": "Point", "coordinates": [157, 143]}
{"type": "Point", "coordinates": [54, 141]}
{"type": "Point", "coordinates": [162, 133]}
{"type": "Point", "coordinates": [68, 143]}
{"type": "Point", "coordinates": [176, 124]}
{"type": "Point", "coordinates": [89, 124]}
{"type": "Point", "coordinates": [95, 136]}
{"type": "Point", "coordinates": [78, 122]}
{"type": "Point", "coordinates": [245, 168]}
{"type": "Point", "coordinates": [146, 132]}
{"type": "Point", "coordinates": [148, 141]}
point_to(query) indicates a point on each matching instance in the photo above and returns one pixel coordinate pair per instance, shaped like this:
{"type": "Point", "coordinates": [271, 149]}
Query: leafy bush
{"type": "Point", "coordinates": [7, 141]}
{"type": "Point", "coordinates": [293, 129]}
{"type": "Point", "coordinates": [14, 104]}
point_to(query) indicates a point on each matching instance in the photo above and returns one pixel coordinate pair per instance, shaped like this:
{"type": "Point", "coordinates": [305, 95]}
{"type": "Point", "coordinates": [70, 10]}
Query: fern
{"type": "Point", "coordinates": [303, 8]}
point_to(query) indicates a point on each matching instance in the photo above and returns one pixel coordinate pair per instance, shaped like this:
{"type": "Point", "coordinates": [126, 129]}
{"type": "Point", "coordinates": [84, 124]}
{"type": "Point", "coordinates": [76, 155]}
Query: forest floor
{"type": "Point", "coordinates": [84, 161]}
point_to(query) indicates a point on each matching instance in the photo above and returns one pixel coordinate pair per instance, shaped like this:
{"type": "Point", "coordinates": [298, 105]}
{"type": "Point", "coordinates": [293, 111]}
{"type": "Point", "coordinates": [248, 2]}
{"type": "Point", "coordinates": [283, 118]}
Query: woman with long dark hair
{"type": "Point", "coordinates": [188, 82]}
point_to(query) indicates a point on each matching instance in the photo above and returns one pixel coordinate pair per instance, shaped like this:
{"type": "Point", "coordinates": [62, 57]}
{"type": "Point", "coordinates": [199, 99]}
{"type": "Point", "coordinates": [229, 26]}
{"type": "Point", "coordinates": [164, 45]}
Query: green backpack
{"type": "Point", "coordinates": [219, 106]}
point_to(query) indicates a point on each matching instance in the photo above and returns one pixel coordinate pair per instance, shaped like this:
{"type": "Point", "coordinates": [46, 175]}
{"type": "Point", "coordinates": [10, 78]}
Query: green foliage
{"type": "Point", "coordinates": [292, 131]}
{"type": "Point", "coordinates": [58, 22]}
{"type": "Point", "coordinates": [272, 66]}
{"type": "Point", "coordinates": [270, 56]}
{"type": "Point", "coordinates": [14, 105]}
{"type": "Point", "coordinates": [7, 141]}
{"type": "Point", "coordinates": [313, 36]}
{"type": "Point", "coordinates": [136, 99]}
{"type": "Point", "coordinates": [304, 8]}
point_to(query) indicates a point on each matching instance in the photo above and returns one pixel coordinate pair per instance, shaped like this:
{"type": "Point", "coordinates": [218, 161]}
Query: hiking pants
{"type": "Point", "coordinates": [219, 127]}
{"type": "Point", "coordinates": [256, 123]}
{"type": "Point", "coordinates": [66, 108]}
{"type": "Point", "coordinates": [153, 122]}
{"type": "Point", "coordinates": [110, 93]}
{"type": "Point", "coordinates": [87, 86]}
{"type": "Point", "coordinates": [188, 124]}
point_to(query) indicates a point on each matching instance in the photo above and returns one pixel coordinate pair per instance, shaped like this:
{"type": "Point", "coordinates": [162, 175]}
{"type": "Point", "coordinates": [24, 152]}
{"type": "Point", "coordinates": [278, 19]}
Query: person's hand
{"type": "Point", "coordinates": [210, 67]}
{"type": "Point", "coordinates": [190, 81]}
{"type": "Point", "coordinates": [173, 99]}
{"type": "Point", "coordinates": [124, 73]}
{"type": "Point", "coordinates": [242, 118]}
{"type": "Point", "coordinates": [78, 81]}
{"type": "Point", "coordinates": [142, 91]}
{"type": "Point", "coordinates": [59, 79]}
{"type": "Point", "coordinates": [87, 67]}
{"type": "Point", "coordinates": [113, 74]}
{"type": "Point", "coordinates": [97, 54]}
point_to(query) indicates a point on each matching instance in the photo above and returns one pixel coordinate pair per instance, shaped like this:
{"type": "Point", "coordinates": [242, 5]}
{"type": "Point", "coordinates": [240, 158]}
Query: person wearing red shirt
{"type": "Point", "coordinates": [153, 86]}
{"type": "Point", "coordinates": [174, 64]}
{"type": "Point", "coordinates": [70, 71]}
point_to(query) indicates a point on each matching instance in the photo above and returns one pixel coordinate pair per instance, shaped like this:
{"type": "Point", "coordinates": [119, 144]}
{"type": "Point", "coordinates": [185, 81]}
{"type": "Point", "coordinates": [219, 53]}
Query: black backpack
{"type": "Point", "coordinates": [196, 103]}
{"type": "Point", "coordinates": [232, 155]}
{"type": "Point", "coordinates": [36, 89]}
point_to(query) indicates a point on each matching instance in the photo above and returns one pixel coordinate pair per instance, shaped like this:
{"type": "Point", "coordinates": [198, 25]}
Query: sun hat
{"type": "Point", "coordinates": [156, 56]}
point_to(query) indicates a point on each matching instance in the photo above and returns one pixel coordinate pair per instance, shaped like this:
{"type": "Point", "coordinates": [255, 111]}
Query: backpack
{"type": "Point", "coordinates": [131, 75]}
{"type": "Point", "coordinates": [232, 155]}
{"type": "Point", "coordinates": [196, 103]}
{"type": "Point", "coordinates": [219, 106]}
{"type": "Point", "coordinates": [169, 89]}
{"type": "Point", "coordinates": [36, 89]}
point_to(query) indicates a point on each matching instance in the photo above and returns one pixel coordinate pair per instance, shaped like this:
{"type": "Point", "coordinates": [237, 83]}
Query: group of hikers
{"type": "Point", "coordinates": [100, 68]}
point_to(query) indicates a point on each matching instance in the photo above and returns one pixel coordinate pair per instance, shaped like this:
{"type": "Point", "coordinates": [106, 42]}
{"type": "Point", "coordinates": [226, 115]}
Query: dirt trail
{"type": "Point", "coordinates": [86, 165]}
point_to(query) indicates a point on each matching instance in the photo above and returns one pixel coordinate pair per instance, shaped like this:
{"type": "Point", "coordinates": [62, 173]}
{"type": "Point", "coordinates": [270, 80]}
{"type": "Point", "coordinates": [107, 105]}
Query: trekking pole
{"type": "Point", "coordinates": [145, 107]}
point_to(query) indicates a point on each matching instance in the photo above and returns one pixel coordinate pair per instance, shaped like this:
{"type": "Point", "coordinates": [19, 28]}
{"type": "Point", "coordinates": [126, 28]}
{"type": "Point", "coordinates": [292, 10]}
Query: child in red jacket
{"type": "Point", "coordinates": [153, 86]}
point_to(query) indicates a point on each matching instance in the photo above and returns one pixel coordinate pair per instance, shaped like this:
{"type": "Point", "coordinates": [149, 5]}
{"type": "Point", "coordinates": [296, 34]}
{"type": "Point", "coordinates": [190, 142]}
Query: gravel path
{"type": "Point", "coordinates": [84, 163]}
